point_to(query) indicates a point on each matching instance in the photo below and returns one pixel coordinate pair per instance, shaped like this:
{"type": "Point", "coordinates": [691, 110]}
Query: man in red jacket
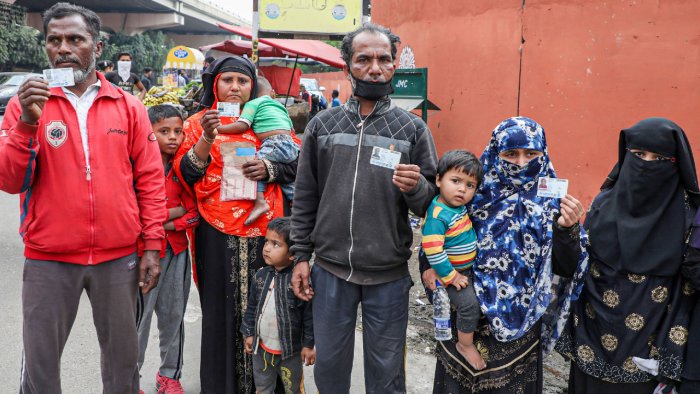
{"type": "Point", "coordinates": [88, 167]}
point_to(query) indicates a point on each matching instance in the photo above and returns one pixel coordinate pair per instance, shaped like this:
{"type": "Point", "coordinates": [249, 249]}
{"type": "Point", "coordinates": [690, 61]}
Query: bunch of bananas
{"type": "Point", "coordinates": [160, 95]}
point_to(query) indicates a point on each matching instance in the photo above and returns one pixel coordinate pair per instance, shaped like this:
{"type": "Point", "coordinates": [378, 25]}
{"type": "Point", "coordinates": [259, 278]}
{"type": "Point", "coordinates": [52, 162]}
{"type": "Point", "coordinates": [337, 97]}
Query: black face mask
{"type": "Point", "coordinates": [371, 90]}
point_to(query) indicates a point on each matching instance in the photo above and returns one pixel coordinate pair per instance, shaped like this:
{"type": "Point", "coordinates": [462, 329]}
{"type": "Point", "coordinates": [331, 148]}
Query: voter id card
{"type": "Point", "coordinates": [385, 158]}
{"type": "Point", "coordinates": [229, 109]}
{"type": "Point", "coordinates": [552, 187]}
{"type": "Point", "coordinates": [59, 77]}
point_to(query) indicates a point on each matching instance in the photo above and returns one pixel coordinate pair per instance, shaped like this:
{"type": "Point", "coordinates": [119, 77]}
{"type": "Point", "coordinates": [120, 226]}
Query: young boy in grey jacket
{"type": "Point", "coordinates": [277, 326]}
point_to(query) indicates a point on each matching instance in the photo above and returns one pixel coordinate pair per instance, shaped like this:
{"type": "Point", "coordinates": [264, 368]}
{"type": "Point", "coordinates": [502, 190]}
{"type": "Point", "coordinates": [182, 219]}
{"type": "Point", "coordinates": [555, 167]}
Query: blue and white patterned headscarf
{"type": "Point", "coordinates": [513, 271]}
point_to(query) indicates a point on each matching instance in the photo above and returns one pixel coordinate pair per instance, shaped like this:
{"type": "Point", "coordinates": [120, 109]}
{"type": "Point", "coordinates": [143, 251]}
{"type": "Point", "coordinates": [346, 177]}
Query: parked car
{"type": "Point", "coordinates": [311, 85]}
{"type": "Point", "coordinates": [9, 85]}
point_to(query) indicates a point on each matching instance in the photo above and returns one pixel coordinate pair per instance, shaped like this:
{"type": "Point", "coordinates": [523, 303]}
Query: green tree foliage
{"type": "Point", "coordinates": [334, 43]}
{"type": "Point", "coordinates": [148, 49]}
{"type": "Point", "coordinates": [22, 47]}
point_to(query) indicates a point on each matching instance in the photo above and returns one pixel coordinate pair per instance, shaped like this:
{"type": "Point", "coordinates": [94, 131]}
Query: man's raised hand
{"type": "Point", "coordinates": [33, 94]}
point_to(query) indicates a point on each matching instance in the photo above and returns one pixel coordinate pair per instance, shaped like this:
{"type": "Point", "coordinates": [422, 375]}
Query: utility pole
{"type": "Point", "coordinates": [256, 25]}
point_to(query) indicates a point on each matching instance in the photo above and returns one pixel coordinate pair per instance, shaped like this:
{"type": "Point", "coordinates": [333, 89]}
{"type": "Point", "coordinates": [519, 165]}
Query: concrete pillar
{"type": "Point", "coordinates": [34, 20]}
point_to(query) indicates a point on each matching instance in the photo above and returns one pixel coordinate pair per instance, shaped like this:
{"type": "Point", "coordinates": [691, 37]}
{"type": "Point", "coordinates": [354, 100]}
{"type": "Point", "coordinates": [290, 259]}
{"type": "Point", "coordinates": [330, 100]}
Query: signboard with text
{"type": "Point", "coordinates": [311, 17]}
{"type": "Point", "coordinates": [411, 91]}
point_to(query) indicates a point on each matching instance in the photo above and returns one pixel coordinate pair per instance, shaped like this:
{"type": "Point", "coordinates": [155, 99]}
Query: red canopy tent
{"type": "Point", "coordinates": [312, 49]}
{"type": "Point", "coordinates": [282, 79]}
{"type": "Point", "coordinates": [240, 48]}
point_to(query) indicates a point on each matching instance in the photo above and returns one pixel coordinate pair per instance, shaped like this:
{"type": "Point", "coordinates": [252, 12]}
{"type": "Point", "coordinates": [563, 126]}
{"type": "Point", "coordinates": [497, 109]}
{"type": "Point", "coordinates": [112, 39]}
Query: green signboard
{"type": "Point", "coordinates": [411, 90]}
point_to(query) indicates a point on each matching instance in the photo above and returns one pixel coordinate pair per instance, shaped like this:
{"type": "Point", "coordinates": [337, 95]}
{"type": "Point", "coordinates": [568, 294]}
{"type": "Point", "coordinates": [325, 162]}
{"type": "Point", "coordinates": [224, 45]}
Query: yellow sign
{"type": "Point", "coordinates": [185, 58]}
{"type": "Point", "coordinates": [310, 16]}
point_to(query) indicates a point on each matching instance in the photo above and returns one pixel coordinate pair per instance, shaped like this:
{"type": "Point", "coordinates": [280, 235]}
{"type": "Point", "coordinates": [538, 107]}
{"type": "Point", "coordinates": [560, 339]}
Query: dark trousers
{"type": "Point", "coordinates": [384, 321]}
{"type": "Point", "coordinates": [467, 306]}
{"type": "Point", "coordinates": [269, 369]}
{"type": "Point", "coordinates": [50, 297]}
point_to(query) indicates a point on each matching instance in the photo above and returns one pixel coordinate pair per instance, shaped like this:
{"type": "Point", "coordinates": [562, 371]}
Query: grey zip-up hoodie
{"type": "Point", "coordinates": [346, 209]}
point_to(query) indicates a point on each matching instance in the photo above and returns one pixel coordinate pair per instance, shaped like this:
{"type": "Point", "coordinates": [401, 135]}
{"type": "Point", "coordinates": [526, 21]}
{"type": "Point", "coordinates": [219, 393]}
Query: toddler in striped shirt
{"type": "Point", "coordinates": [449, 242]}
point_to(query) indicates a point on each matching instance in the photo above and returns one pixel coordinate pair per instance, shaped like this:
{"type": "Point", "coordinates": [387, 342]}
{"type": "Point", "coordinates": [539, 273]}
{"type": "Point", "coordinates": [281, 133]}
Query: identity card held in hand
{"type": "Point", "coordinates": [59, 77]}
{"type": "Point", "coordinates": [552, 187]}
{"type": "Point", "coordinates": [385, 158]}
{"type": "Point", "coordinates": [229, 109]}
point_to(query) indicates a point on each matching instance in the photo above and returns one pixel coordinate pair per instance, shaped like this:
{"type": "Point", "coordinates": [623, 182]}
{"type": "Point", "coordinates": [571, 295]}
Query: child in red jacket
{"type": "Point", "coordinates": [169, 298]}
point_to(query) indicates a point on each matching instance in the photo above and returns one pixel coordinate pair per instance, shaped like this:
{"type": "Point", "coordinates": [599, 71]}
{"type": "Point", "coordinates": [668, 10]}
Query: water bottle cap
{"type": "Point", "coordinates": [437, 283]}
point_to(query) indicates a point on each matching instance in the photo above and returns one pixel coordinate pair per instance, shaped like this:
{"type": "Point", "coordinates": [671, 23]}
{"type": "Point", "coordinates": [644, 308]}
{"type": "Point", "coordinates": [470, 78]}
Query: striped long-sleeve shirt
{"type": "Point", "coordinates": [449, 241]}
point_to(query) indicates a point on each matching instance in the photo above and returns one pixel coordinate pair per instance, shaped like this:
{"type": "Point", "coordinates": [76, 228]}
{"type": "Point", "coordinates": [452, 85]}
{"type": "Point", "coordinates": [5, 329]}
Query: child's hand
{"type": "Point", "coordinates": [308, 356]}
{"type": "Point", "coordinates": [460, 282]}
{"type": "Point", "coordinates": [429, 277]}
{"type": "Point", "coordinates": [249, 345]}
{"type": "Point", "coordinates": [177, 212]}
{"type": "Point", "coordinates": [181, 211]}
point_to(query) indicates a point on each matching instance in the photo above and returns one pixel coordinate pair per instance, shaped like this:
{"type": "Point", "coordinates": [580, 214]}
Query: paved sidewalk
{"type": "Point", "coordinates": [81, 358]}
{"type": "Point", "coordinates": [420, 367]}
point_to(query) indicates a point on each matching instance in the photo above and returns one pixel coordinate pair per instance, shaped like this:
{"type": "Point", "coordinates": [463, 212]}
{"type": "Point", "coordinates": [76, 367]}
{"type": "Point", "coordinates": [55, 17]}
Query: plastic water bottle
{"type": "Point", "coordinates": [441, 313]}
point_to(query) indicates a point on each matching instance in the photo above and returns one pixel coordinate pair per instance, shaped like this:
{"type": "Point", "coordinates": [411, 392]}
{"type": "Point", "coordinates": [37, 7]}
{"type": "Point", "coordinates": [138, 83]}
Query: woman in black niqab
{"type": "Point", "coordinates": [639, 220]}
{"type": "Point", "coordinates": [635, 304]}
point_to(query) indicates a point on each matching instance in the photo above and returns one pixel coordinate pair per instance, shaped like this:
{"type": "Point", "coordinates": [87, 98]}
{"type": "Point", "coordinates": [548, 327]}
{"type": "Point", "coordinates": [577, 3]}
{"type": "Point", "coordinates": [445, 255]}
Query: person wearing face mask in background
{"type": "Point", "coordinates": [362, 167]}
{"type": "Point", "coordinates": [124, 78]}
{"type": "Point", "coordinates": [105, 66]}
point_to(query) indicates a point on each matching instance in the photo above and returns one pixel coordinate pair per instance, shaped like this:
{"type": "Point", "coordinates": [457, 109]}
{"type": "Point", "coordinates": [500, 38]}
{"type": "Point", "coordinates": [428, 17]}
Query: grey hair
{"type": "Point", "coordinates": [61, 10]}
{"type": "Point", "coordinates": [346, 50]}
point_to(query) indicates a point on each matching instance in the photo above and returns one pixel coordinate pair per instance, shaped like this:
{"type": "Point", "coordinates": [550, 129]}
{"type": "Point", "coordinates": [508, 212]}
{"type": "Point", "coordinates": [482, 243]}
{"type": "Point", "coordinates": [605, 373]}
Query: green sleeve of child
{"type": "Point", "coordinates": [249, 110]}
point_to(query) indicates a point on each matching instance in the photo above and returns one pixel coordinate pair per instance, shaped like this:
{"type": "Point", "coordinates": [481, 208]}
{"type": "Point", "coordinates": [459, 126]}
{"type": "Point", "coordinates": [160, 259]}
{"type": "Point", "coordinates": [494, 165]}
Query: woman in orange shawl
{"type": "Point", "coordinates": [227, 251]}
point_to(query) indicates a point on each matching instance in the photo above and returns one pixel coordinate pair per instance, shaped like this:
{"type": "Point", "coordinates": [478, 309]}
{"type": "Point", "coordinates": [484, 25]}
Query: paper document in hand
{"type": "Point", "coordinates": [234, 185]}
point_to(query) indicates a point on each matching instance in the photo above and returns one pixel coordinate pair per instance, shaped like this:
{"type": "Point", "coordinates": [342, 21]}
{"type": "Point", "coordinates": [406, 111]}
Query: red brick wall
{"type": "Point", "coordinates": [588, 70]}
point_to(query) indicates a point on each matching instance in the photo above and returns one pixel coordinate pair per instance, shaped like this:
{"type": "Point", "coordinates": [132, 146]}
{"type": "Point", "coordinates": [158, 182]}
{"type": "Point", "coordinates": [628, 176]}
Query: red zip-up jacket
{"type": "Point", "coordinates": [178, 196]}
{"type": "Point", "coordinates": [78, 212]}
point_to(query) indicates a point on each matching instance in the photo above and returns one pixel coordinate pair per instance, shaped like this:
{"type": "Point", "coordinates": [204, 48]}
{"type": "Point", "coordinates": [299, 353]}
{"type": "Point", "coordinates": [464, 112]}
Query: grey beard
{"type": "Point", "coordinates": [81, 75]}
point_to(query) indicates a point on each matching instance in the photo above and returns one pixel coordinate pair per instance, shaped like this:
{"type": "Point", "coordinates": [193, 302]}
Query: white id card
{"type": "Point", "coordinates": [385, 158]}
{"type": "Point", "coordinates": [552, 187]}
{"type": "Point", "coordinates": [59, 77]}
{"type": "Point", "coordinates": [229, 109]}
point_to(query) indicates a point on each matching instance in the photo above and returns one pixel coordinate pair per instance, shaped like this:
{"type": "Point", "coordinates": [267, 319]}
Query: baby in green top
{"type": "Point", "coordinates": [271, 124]}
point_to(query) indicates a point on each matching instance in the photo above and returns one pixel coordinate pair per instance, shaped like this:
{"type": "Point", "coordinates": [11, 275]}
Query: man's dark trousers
{"type": "Point", "coordinates": [50, 297]}
{"type": "Point", "coordinates": [384, 322]}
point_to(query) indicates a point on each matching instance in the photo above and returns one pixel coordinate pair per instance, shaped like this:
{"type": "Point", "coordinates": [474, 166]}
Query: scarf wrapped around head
{"type": "Point", "coordinates": [221, 65]}
{"type": "Point", "coordinates": [513, 271]}
{"type": "Point", "coordinates": [638, 222]}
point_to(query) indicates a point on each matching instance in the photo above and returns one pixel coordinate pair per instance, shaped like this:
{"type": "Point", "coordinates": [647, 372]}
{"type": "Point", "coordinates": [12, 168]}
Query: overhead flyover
{"type": "Point", "coordinates": [186, 22]}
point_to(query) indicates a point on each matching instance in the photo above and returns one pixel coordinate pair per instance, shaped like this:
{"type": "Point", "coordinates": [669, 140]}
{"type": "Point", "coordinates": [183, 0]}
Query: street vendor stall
{"type": "Point", "coordinates": [285, 80]}
{"type": "Point", "coordinates": [182, 58]}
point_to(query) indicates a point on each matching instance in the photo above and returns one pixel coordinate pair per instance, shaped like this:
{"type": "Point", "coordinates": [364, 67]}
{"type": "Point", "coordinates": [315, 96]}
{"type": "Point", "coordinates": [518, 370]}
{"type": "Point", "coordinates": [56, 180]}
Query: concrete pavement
{"type": "Point", "coordinates": [81, 359]}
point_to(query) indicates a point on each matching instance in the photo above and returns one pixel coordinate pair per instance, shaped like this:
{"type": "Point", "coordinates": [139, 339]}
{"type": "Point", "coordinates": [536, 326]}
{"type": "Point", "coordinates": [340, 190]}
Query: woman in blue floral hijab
{"type": "Point", "coordinates": [530, 264]}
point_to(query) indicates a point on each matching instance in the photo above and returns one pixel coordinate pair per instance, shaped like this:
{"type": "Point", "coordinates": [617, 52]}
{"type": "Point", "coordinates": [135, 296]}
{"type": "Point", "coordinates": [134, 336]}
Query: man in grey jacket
{"type": "Point", "coordinates": [362, 167]}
